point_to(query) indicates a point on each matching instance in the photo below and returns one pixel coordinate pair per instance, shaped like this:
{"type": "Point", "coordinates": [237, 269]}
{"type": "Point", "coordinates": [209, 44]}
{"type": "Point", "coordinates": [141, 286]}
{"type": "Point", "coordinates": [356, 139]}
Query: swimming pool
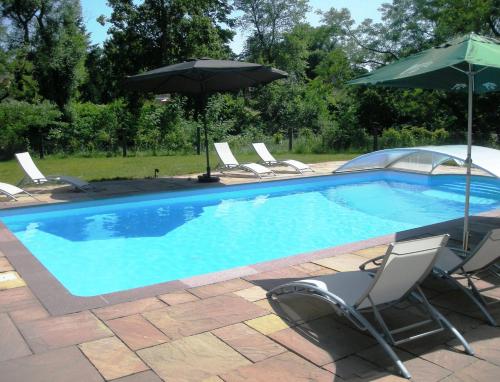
{"type": "Point", "coordinates": [116, 244]}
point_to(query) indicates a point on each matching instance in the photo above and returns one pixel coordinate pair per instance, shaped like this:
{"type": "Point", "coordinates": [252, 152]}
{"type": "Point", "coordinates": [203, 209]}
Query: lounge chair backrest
{"type": "Point", "coordinates": [10, 189]}
{"type": "Point", "coordinates": [486, 252]}
{"type": "Point", "coordinates": [406, 264]}
{"type": "Point", "coordinates": [263, 152]}
{"type": "Point", "coordinates": [225, 154]}
{"type": "Point", "coordinates": [29, 167]}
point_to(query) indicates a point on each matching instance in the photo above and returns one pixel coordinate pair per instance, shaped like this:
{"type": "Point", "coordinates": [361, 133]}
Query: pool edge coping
{"type": "Point", "coordinates": [59, 301]}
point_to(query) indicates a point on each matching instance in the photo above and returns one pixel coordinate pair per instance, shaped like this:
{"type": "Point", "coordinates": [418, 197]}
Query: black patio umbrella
{"type": "Point", "coordinates": [201, 78]}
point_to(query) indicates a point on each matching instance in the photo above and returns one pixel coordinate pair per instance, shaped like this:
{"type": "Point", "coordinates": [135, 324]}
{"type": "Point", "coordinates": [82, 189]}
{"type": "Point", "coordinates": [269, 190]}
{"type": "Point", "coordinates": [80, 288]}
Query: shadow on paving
{"type": "Point", "coordinates": [332, 342]}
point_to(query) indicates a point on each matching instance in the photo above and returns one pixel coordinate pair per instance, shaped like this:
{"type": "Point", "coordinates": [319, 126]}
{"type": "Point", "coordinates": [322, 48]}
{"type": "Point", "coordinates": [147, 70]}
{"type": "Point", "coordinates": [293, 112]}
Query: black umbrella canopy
{"type": "Point", "coordinates": [203, 76]}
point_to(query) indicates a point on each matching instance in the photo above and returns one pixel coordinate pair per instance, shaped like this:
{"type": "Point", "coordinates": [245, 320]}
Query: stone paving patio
{"type": "Point", "coordinates": [228, 331]}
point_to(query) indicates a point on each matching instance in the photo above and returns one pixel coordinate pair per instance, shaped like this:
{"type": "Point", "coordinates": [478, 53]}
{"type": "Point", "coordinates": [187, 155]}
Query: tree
{"type": "Point", "coordinates": [269, 20]}
{"type": "Point", "coordinates": [60, 52]}
{"type": "Point", "coordinates": [50, 35]}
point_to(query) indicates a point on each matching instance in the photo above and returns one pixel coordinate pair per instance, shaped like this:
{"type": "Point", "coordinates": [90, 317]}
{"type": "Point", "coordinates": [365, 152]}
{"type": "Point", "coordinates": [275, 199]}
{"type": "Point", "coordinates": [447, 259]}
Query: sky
{"type": "Point", "coordinates": [360, 10]}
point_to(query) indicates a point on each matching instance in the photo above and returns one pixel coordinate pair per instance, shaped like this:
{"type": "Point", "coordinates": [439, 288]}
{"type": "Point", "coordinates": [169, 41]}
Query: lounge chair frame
{"type": "Point", "coordinates": [461, 270]}
{"type": "Point", "coordinates": [453, 274]}
{"type": "Point", "coordinates": [385, 337]}
{"type": "Point", "coordinates": [222, 166]}
{"type": "Point", "coordinates": [269, 160]}
{"type": "Point", "coordinates": [34, 176]}
{"type": "Point", "coordinates": [13, 196]}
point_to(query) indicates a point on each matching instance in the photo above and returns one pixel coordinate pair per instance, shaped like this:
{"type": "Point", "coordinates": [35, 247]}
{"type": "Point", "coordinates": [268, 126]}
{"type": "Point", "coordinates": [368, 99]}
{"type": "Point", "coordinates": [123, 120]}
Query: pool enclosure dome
{"type": "Point", "coordinates": [425, 159]}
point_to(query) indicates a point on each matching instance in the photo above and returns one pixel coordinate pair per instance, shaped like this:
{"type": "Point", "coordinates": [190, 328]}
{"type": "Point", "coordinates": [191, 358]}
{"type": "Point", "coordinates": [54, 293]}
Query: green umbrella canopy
{"type": "Point", "coordinates": [469, 64]}
{"type": "Point", "coordinates": [444, 67]}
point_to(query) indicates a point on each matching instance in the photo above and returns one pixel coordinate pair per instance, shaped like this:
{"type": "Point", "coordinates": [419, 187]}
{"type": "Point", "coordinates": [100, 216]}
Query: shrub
{"type": "Point", "coordinates": [26, 125]}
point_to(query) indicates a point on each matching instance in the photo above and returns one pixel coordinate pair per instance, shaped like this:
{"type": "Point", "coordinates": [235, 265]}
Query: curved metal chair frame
{"type": "Point", "coordinates": [354, 311]}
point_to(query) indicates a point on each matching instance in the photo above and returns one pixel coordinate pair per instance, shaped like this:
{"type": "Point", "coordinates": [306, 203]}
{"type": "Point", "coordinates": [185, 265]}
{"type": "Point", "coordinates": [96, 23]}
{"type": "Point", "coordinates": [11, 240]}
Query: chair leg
{"type": "Point", "coordinates": [452, 329]}
{"type": "Point", "coordinates": [357, 318]}
{"type": "Point", "coordinates": [476, 301]}
{"type": "Point", "coordinates": [390, 352]}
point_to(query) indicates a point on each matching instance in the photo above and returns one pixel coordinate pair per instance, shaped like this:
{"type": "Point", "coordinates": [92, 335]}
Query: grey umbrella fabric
{"type": "Point", "coordinates": [202, 77]}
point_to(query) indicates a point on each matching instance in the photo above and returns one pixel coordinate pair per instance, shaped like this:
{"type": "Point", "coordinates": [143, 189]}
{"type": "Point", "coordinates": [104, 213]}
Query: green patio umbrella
{"type": "Point", "coordinates": [469, 64]}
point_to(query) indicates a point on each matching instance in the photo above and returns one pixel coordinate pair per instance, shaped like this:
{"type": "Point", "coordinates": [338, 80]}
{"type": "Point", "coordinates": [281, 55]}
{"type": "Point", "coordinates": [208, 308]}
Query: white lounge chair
{"type": "Point", "coordinates": [229, 162]}
{"type": "Point", "coordinates": [350, 294]}
{"type": "Point", "coordinates": [454, 264]}
{"type": "Point", "coordinates": [34, 175]}
{"type": "Point", "coordinates": [269, 160]}
{"type": "Point", "coordinates": [11, 191]}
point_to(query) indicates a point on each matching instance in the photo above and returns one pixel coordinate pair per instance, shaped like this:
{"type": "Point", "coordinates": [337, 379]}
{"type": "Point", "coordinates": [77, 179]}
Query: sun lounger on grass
{"type": "Point", "coordinates": [34, 176]}
{"type": "Point", "coordinates": [351, 294]}
{"type": "Point", "coordinates": [229, 162]}
{"type": "Point", "coordinates": [269, 160]}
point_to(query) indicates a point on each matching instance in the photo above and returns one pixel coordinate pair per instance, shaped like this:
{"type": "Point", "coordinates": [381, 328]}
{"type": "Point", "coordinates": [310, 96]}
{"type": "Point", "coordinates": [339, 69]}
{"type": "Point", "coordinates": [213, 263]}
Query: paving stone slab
{"type": "Point", "coordinates": [271, 279]}
{"type": "Point", "coordinates": [252, 294]}
{"type": "Point", "coordinates": [283, 367]}
{"type": "Point", "coordinates": [145, 376]}
{"type": "Point", "coordinates": [56, 332]}
{"type": "Point", "coordinates": [176, 298]}
{"type": "Point", "coordinates": [265, 305]}
{"type": "Point", "coordinates": [485, 341]}
{"type": "Point", "coordinates": [249, 342]}
{"type": "Point", "coordinates": [5, 266]}
{"type": "Point", "coordinates": [137, 332]}
{"type": "Point", "coordinates": [112, 358]}
{"type": "Point", "coordinates": [342, 263]}
{"type": "Point", "coordinates": [478, 371]}
{"type": "Point", "coordinates": [220, 288]}
{"type": "Point", "coordinates": [267, 324]}
{"type": "Point", "coordinates": [12, 344]}
{"type": "Point", "coordinates": [11, 279]}
{"type": "Point", "coordinates": [420, 369]}
{"type": "Point", "coordinates": [193, 358]}
{"type": "Point", "coordinates": [352, 367]}
{"type": "Point", "coordinates": [372, 252]}
{"type": "Point", "coordinates": [203, 315]}
{"type": "Point", "coordinates": [128, 308]}
{"type": "Point", "coordinates": [314, 269]}
{"type": "Point", "coordinates": [322, 341]}
{"type": "Point", "coordinates": [35, 312]}
{"type": "Point", "coordinates": [61, 365]}
{"type": "Point", "coordinates": [451, 359]}
{"type": "Point", "coordinates": [17, 299]}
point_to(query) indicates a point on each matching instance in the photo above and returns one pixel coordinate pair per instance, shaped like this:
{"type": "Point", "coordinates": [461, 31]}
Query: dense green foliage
{"type": "Point", "coordinates": [59, 94]}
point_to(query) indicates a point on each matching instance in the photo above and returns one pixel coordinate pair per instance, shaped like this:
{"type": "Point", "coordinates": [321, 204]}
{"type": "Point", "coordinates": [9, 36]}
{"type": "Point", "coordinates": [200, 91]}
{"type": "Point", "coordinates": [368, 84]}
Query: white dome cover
{"type": "Point", "coordinates": [426, 158]}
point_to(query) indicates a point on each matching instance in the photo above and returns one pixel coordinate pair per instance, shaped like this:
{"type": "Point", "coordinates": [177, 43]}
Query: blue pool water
{"type": "Point", "coordinates": [111, 245]}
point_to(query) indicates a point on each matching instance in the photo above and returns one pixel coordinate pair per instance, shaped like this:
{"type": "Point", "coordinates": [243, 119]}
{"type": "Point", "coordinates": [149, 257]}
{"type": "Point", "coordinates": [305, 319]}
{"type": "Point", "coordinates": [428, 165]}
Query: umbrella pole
{"type": "Point", "coordinates": [206, 140]}
{"type": "Point", "coordinates": [206, 178]}
{"type": "Point", "coordinates": [470, 74]}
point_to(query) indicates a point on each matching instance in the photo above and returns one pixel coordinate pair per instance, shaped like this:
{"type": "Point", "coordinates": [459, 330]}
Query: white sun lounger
{"type": "Point", "coordinates": [229, 162]}
{"type": "Point", "coordinates": [350, 294]}
{"type": "Point", "coordinates": [11, 191]}
{"type": "Point", "coordinates": [34, 175]}
{"type": "Point", "coordinates": [269, 160]}
{"type": "Point", "coordinates": [454, 264]}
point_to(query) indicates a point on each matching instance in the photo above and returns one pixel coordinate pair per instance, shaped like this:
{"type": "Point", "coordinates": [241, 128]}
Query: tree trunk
{"type": "Point", "coordinates": [124, 143]}
{"type": "Point", "coordinates": [41, 147]}
{"type": "Point", "coordinates": [290, 138]}
{"type": "Point", "coordinates": [375, 140]}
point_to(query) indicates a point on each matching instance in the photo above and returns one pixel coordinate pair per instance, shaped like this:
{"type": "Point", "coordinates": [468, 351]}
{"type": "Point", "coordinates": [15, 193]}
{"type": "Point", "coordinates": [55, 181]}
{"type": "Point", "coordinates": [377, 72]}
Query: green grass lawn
{"type": "Point", "coordinates": [101, 168]}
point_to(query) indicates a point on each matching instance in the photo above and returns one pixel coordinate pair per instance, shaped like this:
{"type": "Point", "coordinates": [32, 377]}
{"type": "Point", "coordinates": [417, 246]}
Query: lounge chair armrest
{"type": "Point", "coordinates": [459, 251]}
{"type": "Point", "coordinates": [375, 261]}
